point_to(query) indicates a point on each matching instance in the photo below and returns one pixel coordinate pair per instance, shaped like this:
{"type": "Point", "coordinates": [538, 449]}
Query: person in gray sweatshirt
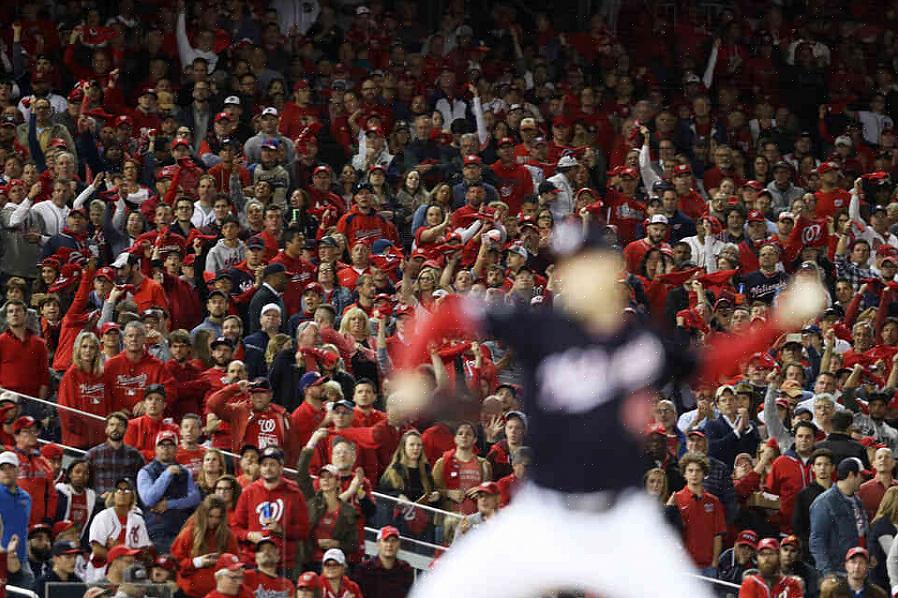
{"type": "Point", "coordinates": [229, 250]}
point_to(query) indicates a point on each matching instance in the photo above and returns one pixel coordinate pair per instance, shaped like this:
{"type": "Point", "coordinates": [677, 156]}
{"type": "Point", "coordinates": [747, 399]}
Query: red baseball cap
{"type": "Point", "coordinates": [488, 488]}
{"type": "Point", "coordinates": [57, 142]}
{"type": "Point", "coordinates": [26, 421]}
{"type": "Point", "coordinates": [756, 216]}
{"type": "Point", "coordinates": [791, 540]}
{"type": "Point", "coordinates": [828, 166]}
{"type": "Point", "coordinates": [747, 538]}
{"type": "Point", "coordinates": [166, 435]}
{"type": "Point", "coordinates": [309, 579]}
{"type": "Point", "coordinates": [222, 116]}
{"type": "Point", "coordinates": [698, 433]}
{"type": "Point", "coordinates": [505, 141]}
{"type": "Point", "coordinates": [472, 159]}
{"type": "Point", "coordinates": [117, 552]}
{"type": "Point", "coordinates": [228, 561]}
{"type": "Point", "coordinates": [768, 544]}
{"type": "Point", "coordinates": [656, 429]}
{"type": "Point", "coordinates": [682, 169]}
{"type": "Point", "coordinates": [123, 120]}
{"type": "Point", "coordinates": [105, 272]}
{"type": "Point", "coordinates": [628, 172]}
{"type": "Point", "coordinates": [52, 451]}
{"type": "Point", "coordinates": [301, 84]}
{"type": "Point", "coordinates": [314, 286]}
{"type": "Point", "coordinates": [857, 551]}
{"type": "Point", "coordinates": [756, 185]}
{"type": "Point", "coordinates": [109, 327]}
{"type": "Point", "coordinates": [62, 526]}
{"type": "Point", "coordinates": [179, 141]}
{"type": "Point", "coordinates": [387, 531]}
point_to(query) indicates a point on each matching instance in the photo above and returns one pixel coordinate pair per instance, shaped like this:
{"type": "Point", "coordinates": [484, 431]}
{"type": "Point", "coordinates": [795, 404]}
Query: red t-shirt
{"type": "Point", "coordinates": [469, 475]}
{"type": "Point", "coordinates": [830, 202]}
{"type": "Point", "coordinates": [191, 459]}
{"type": "Point", "coordinates": [703, 520]}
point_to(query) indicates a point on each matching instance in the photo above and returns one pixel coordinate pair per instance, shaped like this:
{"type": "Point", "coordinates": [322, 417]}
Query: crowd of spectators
{"type": "Point", "coordinates": [221, 220]}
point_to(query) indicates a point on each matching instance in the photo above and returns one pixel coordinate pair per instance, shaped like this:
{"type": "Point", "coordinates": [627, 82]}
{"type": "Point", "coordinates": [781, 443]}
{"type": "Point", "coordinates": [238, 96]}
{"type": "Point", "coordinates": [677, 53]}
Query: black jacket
{"type": "Point", "coordinates": [844, 446]}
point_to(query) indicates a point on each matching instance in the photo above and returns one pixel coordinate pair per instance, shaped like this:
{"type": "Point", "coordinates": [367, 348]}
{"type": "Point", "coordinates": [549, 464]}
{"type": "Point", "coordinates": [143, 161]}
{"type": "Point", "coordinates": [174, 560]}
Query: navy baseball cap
{"type": "Point", "coordinates": [272, 269]}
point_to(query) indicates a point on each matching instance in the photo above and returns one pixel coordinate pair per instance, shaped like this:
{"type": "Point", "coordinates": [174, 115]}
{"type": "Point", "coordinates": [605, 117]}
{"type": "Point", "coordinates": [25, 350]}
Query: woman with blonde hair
{"type": "Point", "coordinates": [214, 466]}
{"type": "Point", "coordinates": [280, 342]}
{"type": "Point", "coordinates": [205, 535]}
{"type": "Point", "coordinates": [408, 477]}
{"type": "Point", "coordinates": [356, 327]}
{"type": "Point", "coordinates": [83, 387]}
{"type": "Point", "coordinates": [883, 530]}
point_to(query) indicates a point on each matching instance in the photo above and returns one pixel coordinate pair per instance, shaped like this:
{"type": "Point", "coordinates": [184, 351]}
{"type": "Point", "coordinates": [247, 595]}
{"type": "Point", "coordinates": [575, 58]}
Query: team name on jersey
{"type": "Point", "coordinates": [139, 380]}
{"type": "Point", "coordinates": [583, 378]}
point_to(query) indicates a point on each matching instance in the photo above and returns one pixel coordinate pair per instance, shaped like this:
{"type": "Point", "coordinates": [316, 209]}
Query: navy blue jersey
{"type": "Point", "coordinates": [575, 385]}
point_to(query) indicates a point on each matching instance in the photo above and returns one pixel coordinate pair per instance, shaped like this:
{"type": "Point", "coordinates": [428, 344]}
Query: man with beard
{"type": "Point", "coordinates": [222, 355]}
{"type": "Point", "coordinates": [217, 306]}
{"type": "Point", "coordinates": [264, 580]}
{"type": "Point", "coordinates": [769, 581]}
{"type": "Point", "coordinates": [113, 460]}
{"type": "Point", "coordinates": [146, 292]}
{"type": "Point", "coordinates": [40, 542]}
{"type": "Point", "coordinates": [655, 233]}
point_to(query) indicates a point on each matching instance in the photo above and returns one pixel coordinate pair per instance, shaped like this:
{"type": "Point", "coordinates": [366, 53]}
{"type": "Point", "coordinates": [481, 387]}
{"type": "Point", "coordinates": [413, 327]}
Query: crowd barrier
{"type": "Point", "coordinates": [419, 552]}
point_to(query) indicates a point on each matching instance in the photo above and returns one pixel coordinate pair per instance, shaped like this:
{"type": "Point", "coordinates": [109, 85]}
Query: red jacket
{"type": "Point", "coordinates": [125, 380]}
{"type": "Point", "coordinates": [787, 586]}
{"type": "Point", "coordinates": [261, 429]}
{"type": "Point", "coordinates": [36, 478]}
{"type": "Point", "coordinates": [514, 183]}
{"type": "Point", "coordinates": [347, 589]}
{"type": "Point", "coordinates": [194, 582]}
{"type": "Point", "coordinates": [186, 311]}
{"type": "Point", "coordinates": [357, 226]}
{"type": "Point", "coordinates": [787, 477]}
{"type": "Point", "coordinates": [141, 434]}
{"type": "Point", "coordinates": [191, 388]}
{"type": "Point", "coordinates": [508, 487]}
{"type": "Point", "coordinates": [286, 506]}
{"type": "Point", "coordinates": [73, 322]}
{"type": "Point", "coordinates": [85, 391]}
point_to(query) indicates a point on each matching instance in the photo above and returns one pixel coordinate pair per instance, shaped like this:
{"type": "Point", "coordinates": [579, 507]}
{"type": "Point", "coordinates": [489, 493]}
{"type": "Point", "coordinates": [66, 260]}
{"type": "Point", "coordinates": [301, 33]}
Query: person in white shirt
{"type": "Point", "coordinates": [564, 201]}
{"type": "Point", "coordinates": [205, 42]}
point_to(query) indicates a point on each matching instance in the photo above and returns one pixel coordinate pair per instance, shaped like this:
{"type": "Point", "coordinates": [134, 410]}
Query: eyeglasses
{"type": "Point", "coordinates": [124, 490]}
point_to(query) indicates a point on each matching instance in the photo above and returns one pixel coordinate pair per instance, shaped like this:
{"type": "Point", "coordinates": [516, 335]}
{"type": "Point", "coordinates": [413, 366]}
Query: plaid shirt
{"type": "Point", "coordinates": [847, 269]}
{"type": "Point", "coordinates": [109, 464]}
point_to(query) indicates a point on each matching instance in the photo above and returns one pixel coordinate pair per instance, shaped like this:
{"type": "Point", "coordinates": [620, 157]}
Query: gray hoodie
{"type": "Point", "coordinates": [222, 257]}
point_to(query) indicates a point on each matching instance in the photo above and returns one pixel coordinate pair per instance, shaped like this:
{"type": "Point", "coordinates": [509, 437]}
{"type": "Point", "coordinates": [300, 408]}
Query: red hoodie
{"type": "Point", "coordinates": [258, 428]}
{"type": "Point", "coordinates": [285, 505]}
{"type": "Point", "coordinates": [196, 583]}
{"type": "Point", "coordinates": [125, 380]}
{"type": "Point", "coordinates": [73, 322]}
{"type": "Point", "coordinates": [191, 387]}
{"type": "Point", "coordinates": [87, 392]}
{"type": "Point", "coordinates": [514, 183]}
{"type": "Point", "coordinates": [357, 226]}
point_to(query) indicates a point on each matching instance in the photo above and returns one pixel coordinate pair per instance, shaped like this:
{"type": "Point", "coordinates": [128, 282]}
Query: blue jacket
{"type": "Point", "coordinates": [155, 483]}
{"type": "Point", "coordinates": [834, 529]}
{"type": "Point", "coordinates": [15, 509]}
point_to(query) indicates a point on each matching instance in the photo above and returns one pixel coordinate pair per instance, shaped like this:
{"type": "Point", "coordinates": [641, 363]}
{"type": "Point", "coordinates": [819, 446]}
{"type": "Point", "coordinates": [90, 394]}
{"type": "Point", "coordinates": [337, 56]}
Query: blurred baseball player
{"type": "Point", "coordinates": [588, 373]}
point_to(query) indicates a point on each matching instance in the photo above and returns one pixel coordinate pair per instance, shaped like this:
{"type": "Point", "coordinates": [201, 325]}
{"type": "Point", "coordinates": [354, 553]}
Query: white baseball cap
{"type": "Point", "coordinates": [9, 458]}
{"type": "Point", "coordinates": [122, 260]}
{"type": "Point", "coordinates": [843, 140]}
{"type": "Point", "coordinates": [270, 111]}
{"type": "Point", "coordinates": [334, 554]}
{"type": "Point", "coordinates": [567, 162]}
{"type": "Point", "coordinates": [659, 219]}
{"type": "Point", "coordinates": [269, 306]}
{"type": "Point", "coordinates": [232, 100]}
